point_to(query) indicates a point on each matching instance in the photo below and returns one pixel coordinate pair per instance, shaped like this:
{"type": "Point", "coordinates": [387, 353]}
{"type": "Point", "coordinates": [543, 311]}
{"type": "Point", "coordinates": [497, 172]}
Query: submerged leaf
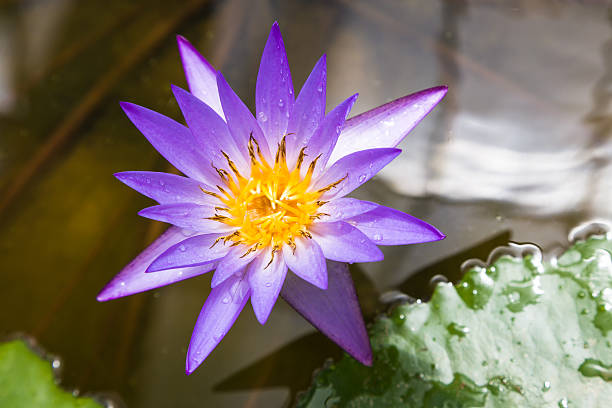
{"type": "Point", "coordinates": [516, 333]}
{"type": "Point", "coordinates": [26, 380]}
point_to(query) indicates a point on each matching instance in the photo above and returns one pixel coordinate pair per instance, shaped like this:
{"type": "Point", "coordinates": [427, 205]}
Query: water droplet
{"type": "Point", "coordinates": [377, 237]}
{"type": "Point", "coordinates": [457, 329]}
{"type": "Point", "coordinates": [226, 299]}
{"type": "Point", "coordinates": [521, 294]}
{"type": "Point", "coordinates": [603, 318]}
{"type": "Point", "coordinates": [433, 282]}
{"type": "Point", "coordinates": [218, 336]}
{"type": "Point", "coordinates": [571, 257]}
{"type": "Point", "coordinates": [148, 180]}
{"type": "Point", "coordinates": [395, 297]}
{"type": "Point", "coordinates": [281, 103]}
{"type": "Point", "coordinates": [268, 284]}
{"type": "Point", "coordinates": [563, 403]}
{"type": "Point", "coordinates": [476, 279]}
{"type": "Point", "coordinates": [595, 368]}
{"type": "Point", "coordinates": [122, 283]}
{"type": "Point", "coordinates": [56, 364]}
{"type": "Point", "coordinates": [546, 386]}
{"type": "Point", "coordinates": [362, 178]}
{"type": "Point", "coordinates": [182, 248]}
{"type": "Point", "coordinates": [320, 88]}
{"type": "Point", "coordinates": [262, 116]}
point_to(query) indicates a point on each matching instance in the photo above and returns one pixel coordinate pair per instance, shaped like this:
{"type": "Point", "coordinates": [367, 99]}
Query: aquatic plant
{"type": "Point", "coordinates": [517, 332]}
{"type": "Point", "coordinates": [267, 193]}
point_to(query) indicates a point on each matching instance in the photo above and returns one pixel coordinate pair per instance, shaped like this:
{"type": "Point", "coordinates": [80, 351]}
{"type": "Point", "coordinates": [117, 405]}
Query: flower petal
{"type": "Point", "coordinates": [201, 76]}
{"type": "Point", "coordinates": [171, 139]}
{"type": "Point", "coordinates": [308, 111]}
{"type": "Point", "coordinates": [133, 279]}
{"type": "Point", "coordinates": [274, 88]}
{"type": "Point", "coordinates": [235, 260]}
{"type": "Point", "coordinates": [342, 242]}
{"type": "Point", "coordinates": [307, 261]}
{"type": "Point", "coordinates": [240, 120]}
{"type": "Point", "coordinates": [354, 169]}
{"type": "Point", "coordinates": [222, 307]}
{"type": "Point", "coordinates": [335, 311]}
{"type": "Point", "coordinates": [190, 216]}
{"type": "Point", "coordinates": [211, 132]}
{"type": "Point", "coordinates": [325, 137]}
{"type": "Point", "coordinates": [386, 226]}
{"type": "Point", "coordinates": [266, 282]}
{"type": "Point", "coordinates": [342, 208]}
{"type": "Point", "coordinates": [388, 124]}
{"type": "Point", "coordinates": [193, 251]}
{"type": "Point", "coordinates": [165, 188]}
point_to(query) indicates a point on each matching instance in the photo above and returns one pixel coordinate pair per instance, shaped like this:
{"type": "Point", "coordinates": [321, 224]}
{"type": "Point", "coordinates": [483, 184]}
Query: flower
{"type": "Point", "coordinates": [267, 194]}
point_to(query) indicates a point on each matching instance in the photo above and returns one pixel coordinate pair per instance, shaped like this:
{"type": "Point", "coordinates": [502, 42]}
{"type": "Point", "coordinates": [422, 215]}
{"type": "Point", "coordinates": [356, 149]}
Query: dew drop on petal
{"type": "Point", "coordinates": [182, 248]}
{"type": "Point", "coordinates": [262, 116]}
{"type": "Point", "coordinates": [377, 237]}
{"type": "Point", "coordinates": [226, 299]}
{"type": "Point", "coordinates": [281, 103]}
{"type": "Point", "coordinates": [268, 284]}
{"type": "Point", "coordinates": [362, 178]}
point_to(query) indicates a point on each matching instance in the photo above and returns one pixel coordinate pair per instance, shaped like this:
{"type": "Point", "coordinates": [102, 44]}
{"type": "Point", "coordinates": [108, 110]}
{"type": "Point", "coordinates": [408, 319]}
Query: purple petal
{"type": "Point", "coordinates": [222, 307]}
{"type": "Point", "coordinates": [307, 261]}
{"type": "Point", "coordinates": [356, 169]}
{"type": "Point", "coordinates": [171, 139]}
{"type": "Point", "coordinates": [342, 242]}
{"type": "Point", "coordinates": [190, 216]}
{"type": "Point", "coordinates": [266, 282]}
{"type": "Point", "coordinates": [326, 135]}
{"type": "Point", "coordinates": [240, 120]}
{"type": "Point", "coordinates": [274, 88]}
{"type": "Point", "coordinates": [201, 76]}
{"type": "Point", "coordinates": [335, 311]}
{"type": "Point", "coordinates": [232, 263]}
{"type": "Point", "coordinates": [388, 124]}
{"type": "Point", "coordinates": [133, 279]}
{"type": "Point", "coordinates": [211, 132]}
{"type": "Point", "coordinates": [386, 226]}
{"type": "Point", "coordinates": [308, 111]}
{"type": "Point", "coordinates": [190, 252]}
{"type": "Point", "coordinates": [342, 208]}
{"type": "Point", "coordinates": [165, 188]}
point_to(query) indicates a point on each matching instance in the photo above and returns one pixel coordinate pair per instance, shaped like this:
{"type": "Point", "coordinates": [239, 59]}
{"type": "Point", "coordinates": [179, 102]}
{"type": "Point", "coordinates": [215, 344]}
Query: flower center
{"type": "Point", "coordinates": [273, 206]}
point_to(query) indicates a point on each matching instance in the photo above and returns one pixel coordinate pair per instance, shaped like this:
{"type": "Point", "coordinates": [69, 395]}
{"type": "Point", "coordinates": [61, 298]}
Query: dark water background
{"type": "Point", "coordinates": [519, 149]}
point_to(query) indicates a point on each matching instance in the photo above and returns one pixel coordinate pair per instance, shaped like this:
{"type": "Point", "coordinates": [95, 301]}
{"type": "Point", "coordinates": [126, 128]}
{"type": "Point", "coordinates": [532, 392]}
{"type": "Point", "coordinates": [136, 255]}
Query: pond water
{"type": "Point", "coordinates": [518, 150]}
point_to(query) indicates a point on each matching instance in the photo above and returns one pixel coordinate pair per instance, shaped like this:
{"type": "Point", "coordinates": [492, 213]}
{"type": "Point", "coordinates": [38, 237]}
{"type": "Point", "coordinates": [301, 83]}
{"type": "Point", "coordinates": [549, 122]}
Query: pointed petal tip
{"type": "Point", "coordinates": [103, 296]}
{"type": "Point", "coordinates": [125, 105]}
{"type": "Point", "coordinates": [367, 360]}
{"type": "Point", "coordinates": [190, 368]}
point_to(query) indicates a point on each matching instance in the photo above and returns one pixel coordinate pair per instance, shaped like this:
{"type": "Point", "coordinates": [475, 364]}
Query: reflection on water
{"type": "Point", "coordinates": [518, 149]}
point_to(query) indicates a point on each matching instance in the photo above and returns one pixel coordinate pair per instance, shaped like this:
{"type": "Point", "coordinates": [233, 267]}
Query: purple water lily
{"type": "Point", "coordinates": [266, 194]}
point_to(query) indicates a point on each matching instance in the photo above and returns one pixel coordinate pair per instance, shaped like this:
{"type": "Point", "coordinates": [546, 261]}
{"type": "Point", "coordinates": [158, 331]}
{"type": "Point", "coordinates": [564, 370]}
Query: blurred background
{"type": "Point", "coordinates": [518, 150]}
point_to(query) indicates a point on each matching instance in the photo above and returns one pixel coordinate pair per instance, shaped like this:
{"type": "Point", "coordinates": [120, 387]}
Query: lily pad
{"type": "Point", "coordinates": [516, 333]}
{"type": "Point", "coordinates": [26, 380]}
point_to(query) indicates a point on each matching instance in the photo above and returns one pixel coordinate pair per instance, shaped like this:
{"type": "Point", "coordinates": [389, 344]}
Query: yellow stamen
{"type": "Point", "coordinates": [271, 208]}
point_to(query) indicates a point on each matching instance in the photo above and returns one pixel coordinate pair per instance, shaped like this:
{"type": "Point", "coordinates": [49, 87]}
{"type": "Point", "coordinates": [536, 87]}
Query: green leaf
{"type": "Point", "coordinates": [26, 380]}
{"type": "Point", "coordinates": [518, 333]}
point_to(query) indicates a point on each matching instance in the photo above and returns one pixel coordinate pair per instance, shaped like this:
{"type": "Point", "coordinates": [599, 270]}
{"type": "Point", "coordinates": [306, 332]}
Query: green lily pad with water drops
{"type": "Point", "coordinates": [517, 333]}
{"type": "Point", "coordinates": [27, 380]}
